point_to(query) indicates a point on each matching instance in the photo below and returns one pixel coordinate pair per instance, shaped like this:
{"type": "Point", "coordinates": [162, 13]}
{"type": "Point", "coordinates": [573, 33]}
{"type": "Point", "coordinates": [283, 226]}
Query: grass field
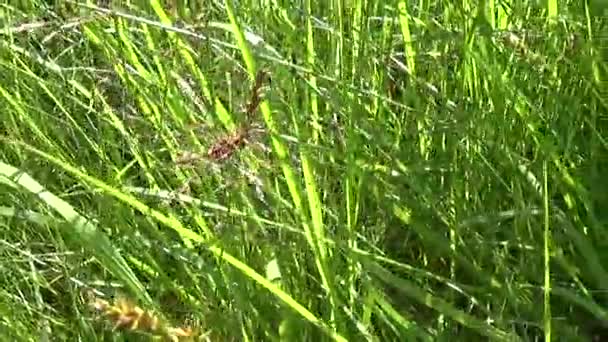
{"type": "Point", "coordinates": [323, 170]}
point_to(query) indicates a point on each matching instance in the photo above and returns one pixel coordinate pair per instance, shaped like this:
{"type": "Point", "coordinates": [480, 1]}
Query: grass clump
{"type": "Point", "coordinates": [335, 171]}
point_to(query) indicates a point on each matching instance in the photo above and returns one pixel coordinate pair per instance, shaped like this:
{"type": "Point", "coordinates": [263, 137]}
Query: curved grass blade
{"type": "Point", "coordinates": [189, 237]}
{"type": "Point", "coordinates": [84, 231]}
{"type": "Point", "coordinates": [314, 235]}
{"type": "Point", "coordinates": [438, 304]}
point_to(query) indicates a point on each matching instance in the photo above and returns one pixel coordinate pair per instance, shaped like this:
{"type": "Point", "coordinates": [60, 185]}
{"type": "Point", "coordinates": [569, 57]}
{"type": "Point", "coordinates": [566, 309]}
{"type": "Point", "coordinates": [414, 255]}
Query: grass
{"type": "Point", "coordinates": [427, 171]}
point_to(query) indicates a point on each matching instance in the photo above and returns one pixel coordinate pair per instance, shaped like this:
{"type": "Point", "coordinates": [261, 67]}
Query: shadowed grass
{"type": "Point", "coordinates": [419, 170]}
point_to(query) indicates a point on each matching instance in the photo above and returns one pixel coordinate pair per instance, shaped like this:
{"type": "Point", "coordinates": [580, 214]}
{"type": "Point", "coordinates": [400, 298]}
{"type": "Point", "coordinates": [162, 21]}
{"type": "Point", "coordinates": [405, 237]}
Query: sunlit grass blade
{"type": "Point", "coordinates": [189, 238]}
{"type": "Point", "coordinates": [316, 234]}
{"type": "Point", "coordinates": [436, 169]}
{"type": "Point", "coordinates": [220, 110]}
{"type": "Point", "coordinates": [547, 256]}
{"type": "Point", "coordinates": [84, 232]}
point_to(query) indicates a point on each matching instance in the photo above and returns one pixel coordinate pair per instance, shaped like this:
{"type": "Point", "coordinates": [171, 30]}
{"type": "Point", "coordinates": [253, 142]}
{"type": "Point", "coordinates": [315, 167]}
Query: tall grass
{"type": "Point", "coordinates": [423, 170]}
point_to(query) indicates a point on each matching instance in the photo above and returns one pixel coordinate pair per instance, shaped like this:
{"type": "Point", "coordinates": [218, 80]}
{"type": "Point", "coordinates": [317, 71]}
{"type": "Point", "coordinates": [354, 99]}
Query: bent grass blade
{"type": "Point", "coordinates": [189, 237]}
{"type": "Point", "coordinates": [85, 231]}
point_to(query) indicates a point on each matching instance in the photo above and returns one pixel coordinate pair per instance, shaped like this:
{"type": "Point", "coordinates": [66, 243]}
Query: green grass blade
{"type": "Point", "coordinates": [189, 237]}
{"type": "Point", "coordinates": [84, 232]}
{"type": "Point", "coordinates": [428, 299]}
{"type": "Point", "coordinates": [547, 256]}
